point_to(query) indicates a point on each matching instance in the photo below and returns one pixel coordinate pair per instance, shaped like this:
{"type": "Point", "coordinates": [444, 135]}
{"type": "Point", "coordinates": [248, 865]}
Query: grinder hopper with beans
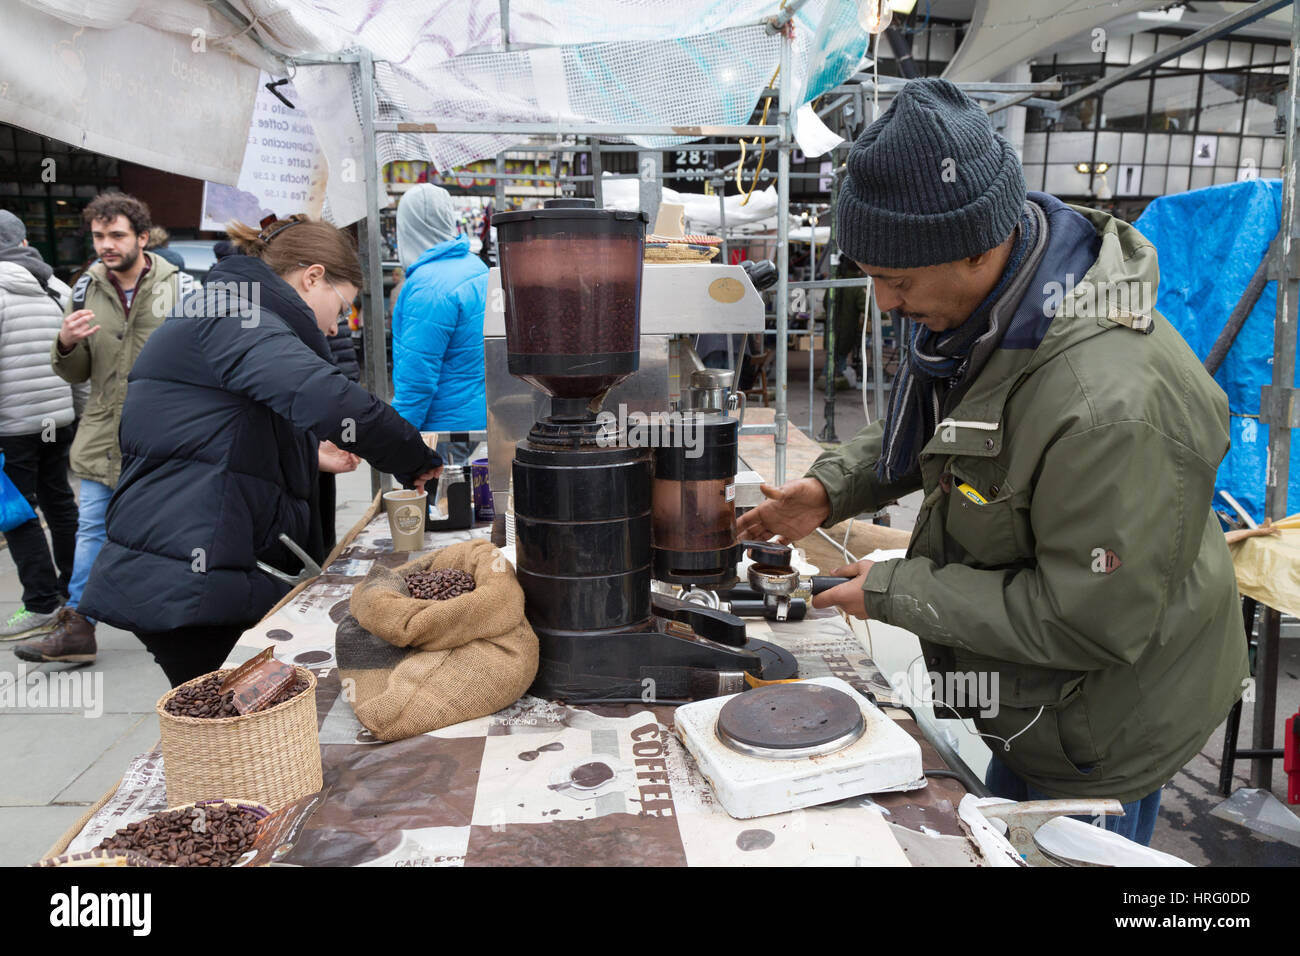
{"type": "Point", "coordinates": [584, 542]}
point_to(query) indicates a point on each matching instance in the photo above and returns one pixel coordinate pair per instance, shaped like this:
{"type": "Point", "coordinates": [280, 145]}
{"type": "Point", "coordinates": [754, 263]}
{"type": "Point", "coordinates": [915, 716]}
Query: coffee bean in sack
{"type": "Point", "coordinates": [439, 585]}
{"type": "Point", "coordinates": [205, 699]}
{"type": "Point", "coordinates": [213, 835]}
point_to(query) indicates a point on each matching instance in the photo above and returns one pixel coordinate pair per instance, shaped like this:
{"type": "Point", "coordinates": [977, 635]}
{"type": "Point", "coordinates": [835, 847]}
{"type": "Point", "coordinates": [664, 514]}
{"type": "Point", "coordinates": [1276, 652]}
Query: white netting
{"type": "Point", "coordinates": [633, 62]}
{"type": "Point", "coordinates": [639, 69]}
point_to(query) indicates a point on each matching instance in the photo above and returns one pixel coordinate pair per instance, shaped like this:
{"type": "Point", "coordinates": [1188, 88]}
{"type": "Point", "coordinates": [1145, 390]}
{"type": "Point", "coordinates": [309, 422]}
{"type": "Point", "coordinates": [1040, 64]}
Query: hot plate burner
{"type": "Point", "coordinates": [788, 721]}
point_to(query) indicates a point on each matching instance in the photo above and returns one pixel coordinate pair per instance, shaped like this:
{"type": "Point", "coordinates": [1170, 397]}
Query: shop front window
{"type": "Point", "coordinates": [1262, 92]}
{"type": "Point", "coordinates": [1084, 114]}
{"type": "Point", "coordinates": [1173, 104]}
{"type": "Point", "coordinates": [1221, 96]}
{"type": "Point", "coordinates": [1124, 106]}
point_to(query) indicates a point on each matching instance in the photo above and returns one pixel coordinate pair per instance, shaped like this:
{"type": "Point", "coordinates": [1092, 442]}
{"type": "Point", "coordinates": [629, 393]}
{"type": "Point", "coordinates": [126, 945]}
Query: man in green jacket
{"type": "Point", "coordinates": [1066, 440]}
{"type": "Point", "coordinates": [116, 305]}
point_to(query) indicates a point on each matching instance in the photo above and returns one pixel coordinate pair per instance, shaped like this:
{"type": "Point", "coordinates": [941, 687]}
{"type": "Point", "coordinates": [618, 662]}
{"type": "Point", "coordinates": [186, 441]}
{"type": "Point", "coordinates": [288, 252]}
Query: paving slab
{"type": "Point", "coordinates": [105, 772]}
{"type": "Point", "coordinates": [27, 832]}
{"type": "Point", "coordinates": [44, 753]}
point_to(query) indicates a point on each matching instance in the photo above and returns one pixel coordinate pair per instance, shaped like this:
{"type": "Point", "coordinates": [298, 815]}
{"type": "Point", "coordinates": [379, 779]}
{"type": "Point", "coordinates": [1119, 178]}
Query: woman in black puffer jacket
{"type": "Point", "coordinates": [221, 437]}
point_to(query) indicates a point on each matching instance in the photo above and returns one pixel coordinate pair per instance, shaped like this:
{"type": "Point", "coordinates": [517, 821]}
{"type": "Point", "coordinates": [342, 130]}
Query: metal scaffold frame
{"type": "Point", "coordinates": [370, 240]}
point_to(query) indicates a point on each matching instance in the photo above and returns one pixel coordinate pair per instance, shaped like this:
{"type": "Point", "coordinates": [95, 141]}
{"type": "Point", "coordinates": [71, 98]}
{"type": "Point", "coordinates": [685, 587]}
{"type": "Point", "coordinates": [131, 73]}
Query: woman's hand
{"type": "Point", "coordinates": [335, 460]}
{"type": "Point", "coordinates": [418, 484]}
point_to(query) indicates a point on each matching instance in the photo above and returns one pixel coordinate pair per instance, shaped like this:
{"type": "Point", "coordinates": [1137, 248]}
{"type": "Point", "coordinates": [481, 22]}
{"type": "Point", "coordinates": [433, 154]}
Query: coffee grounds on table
{"type": "Point", "coordinates": [205, 699]}
{"type": "Point", "coordinates": [439, 585]}
{"type": "Point", "coordinates": [215, 835]}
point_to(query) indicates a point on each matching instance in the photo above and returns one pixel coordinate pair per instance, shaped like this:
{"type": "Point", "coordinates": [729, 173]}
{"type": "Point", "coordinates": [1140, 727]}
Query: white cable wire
{"type": "Point", "coordinates": [1006, 741]}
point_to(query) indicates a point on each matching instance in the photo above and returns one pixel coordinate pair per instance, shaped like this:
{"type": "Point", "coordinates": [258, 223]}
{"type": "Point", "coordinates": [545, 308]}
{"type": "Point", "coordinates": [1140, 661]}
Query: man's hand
{"type": "Point", "coordinates": [418, 484]}
{"type": "Point", "coordinates": [793, 511]}
{"type": "Point", "coordinates": [335, 460]}
{"type": "Point", "coordinates": [847, 596]}
{"type": "Point", "coordinates": [75, 328]}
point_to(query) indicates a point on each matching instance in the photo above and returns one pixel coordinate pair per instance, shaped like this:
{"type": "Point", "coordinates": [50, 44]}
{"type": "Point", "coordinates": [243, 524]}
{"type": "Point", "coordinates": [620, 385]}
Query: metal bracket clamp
{"type": "Point", "coordinates": [310, 568]}
{"type": "Point", "coordinates": [1278, 405]}
{"type": "Point", "coordinates": [1290, 268]}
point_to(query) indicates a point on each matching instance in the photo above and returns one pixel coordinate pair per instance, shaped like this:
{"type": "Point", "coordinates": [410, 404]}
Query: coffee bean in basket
{"type": "Point", "coordinates": [205, 699]}
{"type": "Point", "coordinates": [211, 835]}
{"type": "Point", "coordinates": [439, 585]}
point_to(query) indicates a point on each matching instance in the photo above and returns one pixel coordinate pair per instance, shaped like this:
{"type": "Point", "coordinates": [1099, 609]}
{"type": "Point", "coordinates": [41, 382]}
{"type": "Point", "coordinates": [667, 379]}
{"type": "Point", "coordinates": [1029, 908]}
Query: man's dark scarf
{"type": "Point", "coordinates": [936, 362]}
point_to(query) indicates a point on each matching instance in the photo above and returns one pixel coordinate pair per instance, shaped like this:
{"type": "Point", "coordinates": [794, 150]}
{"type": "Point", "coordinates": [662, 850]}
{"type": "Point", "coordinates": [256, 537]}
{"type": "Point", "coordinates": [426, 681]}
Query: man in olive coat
{"type": "Point", "coordinates": [1066, 440]}
{"type": "Point", "coordinates": [116, 305]}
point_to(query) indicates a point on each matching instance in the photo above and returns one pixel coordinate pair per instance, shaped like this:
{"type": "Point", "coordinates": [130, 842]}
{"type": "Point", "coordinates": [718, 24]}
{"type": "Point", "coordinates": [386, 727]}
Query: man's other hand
{"type": "Point", "coordinates": [847, 596]}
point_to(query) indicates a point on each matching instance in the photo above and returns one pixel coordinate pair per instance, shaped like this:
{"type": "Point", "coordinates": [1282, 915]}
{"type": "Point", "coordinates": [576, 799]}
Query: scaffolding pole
{"type": "Point", "coordinates": [782, 259]}
{"type": "Point", "coordinates": [1280, 410]}
{"type": "Point", "coordinates": [372, 298]}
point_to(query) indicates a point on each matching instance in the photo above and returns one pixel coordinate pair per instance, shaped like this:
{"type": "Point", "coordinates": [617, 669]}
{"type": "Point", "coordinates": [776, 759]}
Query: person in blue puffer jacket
{"type": "Point", "coordinates": [438, 378]}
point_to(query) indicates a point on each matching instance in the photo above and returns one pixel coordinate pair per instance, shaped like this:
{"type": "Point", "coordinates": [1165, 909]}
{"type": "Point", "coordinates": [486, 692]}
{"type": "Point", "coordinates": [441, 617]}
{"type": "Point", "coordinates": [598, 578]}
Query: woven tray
{"type": "Point", "coordinates": [271, 757]}
{"type": "Point", "coordinates": [115, 858]}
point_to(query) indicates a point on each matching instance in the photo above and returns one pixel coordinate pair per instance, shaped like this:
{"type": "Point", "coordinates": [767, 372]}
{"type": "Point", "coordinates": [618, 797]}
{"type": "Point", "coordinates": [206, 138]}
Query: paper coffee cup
{"type": "Point", "coordinates": [405, 510]}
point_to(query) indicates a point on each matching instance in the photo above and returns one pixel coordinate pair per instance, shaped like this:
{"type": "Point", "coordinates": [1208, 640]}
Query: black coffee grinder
{"type": "Point", "coordinates": [571, 277]}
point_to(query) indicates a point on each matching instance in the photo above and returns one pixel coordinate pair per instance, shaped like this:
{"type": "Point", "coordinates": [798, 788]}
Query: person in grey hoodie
{"type": "Point", "coordinates": [36, 429]}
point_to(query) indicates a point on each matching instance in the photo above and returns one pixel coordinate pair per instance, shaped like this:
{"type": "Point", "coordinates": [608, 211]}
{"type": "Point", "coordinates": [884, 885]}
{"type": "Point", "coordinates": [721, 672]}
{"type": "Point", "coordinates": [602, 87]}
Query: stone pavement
{"type": "Point", "coordinates": [56, 761]}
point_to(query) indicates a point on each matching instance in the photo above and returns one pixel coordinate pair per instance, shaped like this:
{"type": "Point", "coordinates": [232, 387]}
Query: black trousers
{"type": "Point", "coordinates": [190, 652]}
{"type": "Point", "coordinates": [39, 470]}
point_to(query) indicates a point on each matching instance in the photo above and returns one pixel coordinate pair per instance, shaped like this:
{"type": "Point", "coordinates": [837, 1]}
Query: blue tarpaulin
{"type": "Point", "coordinates": [1209, 242]}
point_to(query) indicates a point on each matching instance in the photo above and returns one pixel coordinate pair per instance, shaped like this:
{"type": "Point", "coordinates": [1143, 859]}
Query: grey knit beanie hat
{"type": "Point", "coordinates": [12, 230]}
{"type": "Point", "coordinates": [929, 182]}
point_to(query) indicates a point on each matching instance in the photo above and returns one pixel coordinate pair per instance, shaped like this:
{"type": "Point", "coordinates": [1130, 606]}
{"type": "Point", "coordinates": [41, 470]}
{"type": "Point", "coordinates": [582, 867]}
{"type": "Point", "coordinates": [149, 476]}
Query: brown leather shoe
{"type": "Point", "coordinates": [71, 642]}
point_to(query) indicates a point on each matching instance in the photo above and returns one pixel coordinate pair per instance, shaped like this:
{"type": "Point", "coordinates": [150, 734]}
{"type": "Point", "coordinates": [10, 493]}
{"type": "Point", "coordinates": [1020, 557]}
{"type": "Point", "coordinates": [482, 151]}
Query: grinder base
{"type": "Point", "coordinates": [650, 665]}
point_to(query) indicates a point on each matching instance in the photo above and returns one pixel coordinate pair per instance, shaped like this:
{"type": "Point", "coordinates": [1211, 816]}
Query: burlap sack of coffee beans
{"type": "Point", "coordinates": [418, 665]}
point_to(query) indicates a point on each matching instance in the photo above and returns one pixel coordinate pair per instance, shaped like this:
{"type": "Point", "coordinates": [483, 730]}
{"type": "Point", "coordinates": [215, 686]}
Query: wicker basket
{"type": "Point", "coordinates": [117, 858]}
{"type": "Point", "coordinates": [271, 757]}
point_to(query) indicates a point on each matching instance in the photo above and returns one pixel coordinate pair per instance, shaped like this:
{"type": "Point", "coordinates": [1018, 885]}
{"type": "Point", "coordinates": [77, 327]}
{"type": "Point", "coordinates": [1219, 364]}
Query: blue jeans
{"type": "Point", "coordinates": [1137, 823]}
{"type": "Point", "coordinates": [91, 509]}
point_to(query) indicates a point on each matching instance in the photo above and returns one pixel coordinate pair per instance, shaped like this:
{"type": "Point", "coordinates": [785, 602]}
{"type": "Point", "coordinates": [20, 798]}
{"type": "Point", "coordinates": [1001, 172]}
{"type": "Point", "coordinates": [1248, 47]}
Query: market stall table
{"type": "Point", "coordinates": [499, 790]}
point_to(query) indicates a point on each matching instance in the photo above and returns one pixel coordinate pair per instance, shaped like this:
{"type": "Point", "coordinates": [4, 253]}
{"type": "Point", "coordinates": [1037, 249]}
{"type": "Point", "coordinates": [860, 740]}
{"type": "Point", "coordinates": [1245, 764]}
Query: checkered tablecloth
{"type": "Point", "coordinates": [490, 791]}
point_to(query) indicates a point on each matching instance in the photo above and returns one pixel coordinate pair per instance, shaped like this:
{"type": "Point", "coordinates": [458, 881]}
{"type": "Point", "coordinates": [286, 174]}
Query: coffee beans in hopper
{"type": "Point", "coordinates": [205, 699]}
{"type": "Point", "coordinates": [439, 585]}
{"type": "Point", "coordinates": [213, 835]}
